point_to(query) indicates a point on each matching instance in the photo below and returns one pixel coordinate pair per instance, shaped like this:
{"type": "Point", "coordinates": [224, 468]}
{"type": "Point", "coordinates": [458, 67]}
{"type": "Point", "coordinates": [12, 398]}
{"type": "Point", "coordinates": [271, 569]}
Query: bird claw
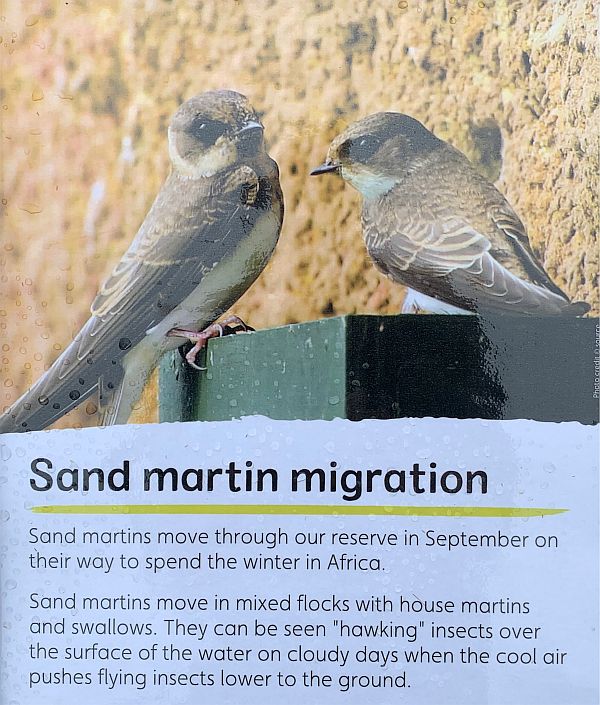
{"type": "Point", "coordinates": [201, 338]}
{"type": "Point", "coordinates": [195, 366]}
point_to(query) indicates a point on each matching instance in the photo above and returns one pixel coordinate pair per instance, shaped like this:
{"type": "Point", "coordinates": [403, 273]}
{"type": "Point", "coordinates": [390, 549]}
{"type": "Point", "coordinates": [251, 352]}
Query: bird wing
{"type": "Point", "coordinates": [190, 228]}
{"type": "Point", "coordinates": [446, 255]}
{"type": "Point", "coordinates": [508, 223]}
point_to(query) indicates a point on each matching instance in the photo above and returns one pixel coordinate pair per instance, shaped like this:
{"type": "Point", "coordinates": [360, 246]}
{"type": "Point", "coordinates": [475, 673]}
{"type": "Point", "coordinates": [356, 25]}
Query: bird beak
{"type": "Point", "coordinates": [250, 138]}
{"type": "Point", "coordinates": [250, 126]}
{"type": "Point", "coordinates": [326, 168]}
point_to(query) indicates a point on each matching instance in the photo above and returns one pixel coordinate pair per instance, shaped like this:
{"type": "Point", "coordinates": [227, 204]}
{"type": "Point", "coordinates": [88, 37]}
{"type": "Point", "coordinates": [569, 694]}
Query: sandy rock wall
{"type": "Point", "coordinates": [88, 89]}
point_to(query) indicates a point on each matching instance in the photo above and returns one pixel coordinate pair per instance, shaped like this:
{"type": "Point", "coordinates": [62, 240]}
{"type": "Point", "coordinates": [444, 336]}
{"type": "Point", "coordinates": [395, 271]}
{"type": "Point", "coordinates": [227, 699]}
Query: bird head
{"type": "Point", "coordinates": [213, 131]}
{"type": "Point", "coordinates": [374, 153]}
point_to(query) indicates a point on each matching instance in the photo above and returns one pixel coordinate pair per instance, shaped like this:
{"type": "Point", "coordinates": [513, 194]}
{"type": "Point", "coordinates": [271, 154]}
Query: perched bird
{"type": "Point", "coordinates": [208, 235]}
{"type": "Point", "coordinates": [433, 223]}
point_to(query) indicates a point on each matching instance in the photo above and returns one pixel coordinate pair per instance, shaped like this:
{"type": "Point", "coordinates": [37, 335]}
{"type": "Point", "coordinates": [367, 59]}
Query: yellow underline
{"type": "Point", "coordinates": [296, 509]}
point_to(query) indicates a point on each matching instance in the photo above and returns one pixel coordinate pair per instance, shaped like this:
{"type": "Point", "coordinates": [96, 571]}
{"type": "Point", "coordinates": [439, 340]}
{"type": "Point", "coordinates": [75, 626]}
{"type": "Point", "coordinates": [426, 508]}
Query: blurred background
{"type": "Point", "coordinates": [88, 88]}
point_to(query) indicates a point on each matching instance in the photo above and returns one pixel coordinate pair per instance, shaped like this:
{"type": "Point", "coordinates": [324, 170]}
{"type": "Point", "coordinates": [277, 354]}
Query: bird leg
{"type": "Point", "coordinates": [200, 338]}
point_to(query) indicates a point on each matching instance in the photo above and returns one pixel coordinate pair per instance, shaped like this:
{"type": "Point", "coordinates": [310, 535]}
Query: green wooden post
{"type": "Point", "coordinates": [296, 371]}
{"type": "Point", "coordinates": [359, 367]}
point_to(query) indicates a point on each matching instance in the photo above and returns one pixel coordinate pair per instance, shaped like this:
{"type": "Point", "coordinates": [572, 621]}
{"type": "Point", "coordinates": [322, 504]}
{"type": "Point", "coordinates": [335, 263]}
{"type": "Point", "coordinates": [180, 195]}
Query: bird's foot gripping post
{"type": "Point", "coordinates": [230, 325]}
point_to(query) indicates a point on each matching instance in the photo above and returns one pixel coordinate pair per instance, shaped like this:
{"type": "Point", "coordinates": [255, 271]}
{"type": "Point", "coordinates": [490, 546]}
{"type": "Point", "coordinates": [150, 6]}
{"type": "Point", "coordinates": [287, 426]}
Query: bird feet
{"type": "Point", "coordinates": [228, 326]}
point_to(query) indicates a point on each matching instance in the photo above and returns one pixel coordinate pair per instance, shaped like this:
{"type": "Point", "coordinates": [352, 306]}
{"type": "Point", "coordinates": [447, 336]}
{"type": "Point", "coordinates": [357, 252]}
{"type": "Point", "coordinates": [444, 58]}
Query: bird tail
{"type": "Point", "coordinates": [576, 308]}
{"type": "Point", "coordinates": [68, 382]}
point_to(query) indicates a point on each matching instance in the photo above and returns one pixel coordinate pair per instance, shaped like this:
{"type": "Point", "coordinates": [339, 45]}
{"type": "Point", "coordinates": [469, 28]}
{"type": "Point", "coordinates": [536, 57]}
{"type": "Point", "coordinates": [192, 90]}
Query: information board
{"type": "Point", "coordinates": [425, 561]}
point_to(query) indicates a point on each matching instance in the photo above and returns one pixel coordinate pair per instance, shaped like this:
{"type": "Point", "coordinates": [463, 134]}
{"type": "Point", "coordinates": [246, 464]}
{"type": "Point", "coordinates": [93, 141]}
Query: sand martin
{"type": "Point", "coordinates": [433, 223]}
{"type": "Point", "coordinates": [208, 235]}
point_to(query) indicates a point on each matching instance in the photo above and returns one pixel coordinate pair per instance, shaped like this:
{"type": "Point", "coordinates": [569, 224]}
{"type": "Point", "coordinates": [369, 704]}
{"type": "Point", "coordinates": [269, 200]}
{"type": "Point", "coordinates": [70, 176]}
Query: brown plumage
{"type": "Point", "coordinates": [433, 223]}
{"type": "Point", "coordinates": [206, 238]}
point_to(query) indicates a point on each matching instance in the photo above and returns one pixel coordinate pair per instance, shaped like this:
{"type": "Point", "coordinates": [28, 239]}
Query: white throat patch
{"type": "Point", "coordinates": [369, 185]}
{"type": "Point", "coordinates": [214, 160]}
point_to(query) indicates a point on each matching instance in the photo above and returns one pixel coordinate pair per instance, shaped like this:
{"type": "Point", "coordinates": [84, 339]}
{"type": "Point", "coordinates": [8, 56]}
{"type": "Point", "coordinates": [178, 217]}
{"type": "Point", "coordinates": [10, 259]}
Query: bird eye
{"type": "Point", "coordinates": [361, 148]}
{"type": "Point", "coordinates": [208, 131]}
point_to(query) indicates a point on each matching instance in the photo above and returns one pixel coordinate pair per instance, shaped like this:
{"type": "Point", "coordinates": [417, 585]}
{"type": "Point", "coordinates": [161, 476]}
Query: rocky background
{"type": "Point", "coordinates": [88, 87]}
